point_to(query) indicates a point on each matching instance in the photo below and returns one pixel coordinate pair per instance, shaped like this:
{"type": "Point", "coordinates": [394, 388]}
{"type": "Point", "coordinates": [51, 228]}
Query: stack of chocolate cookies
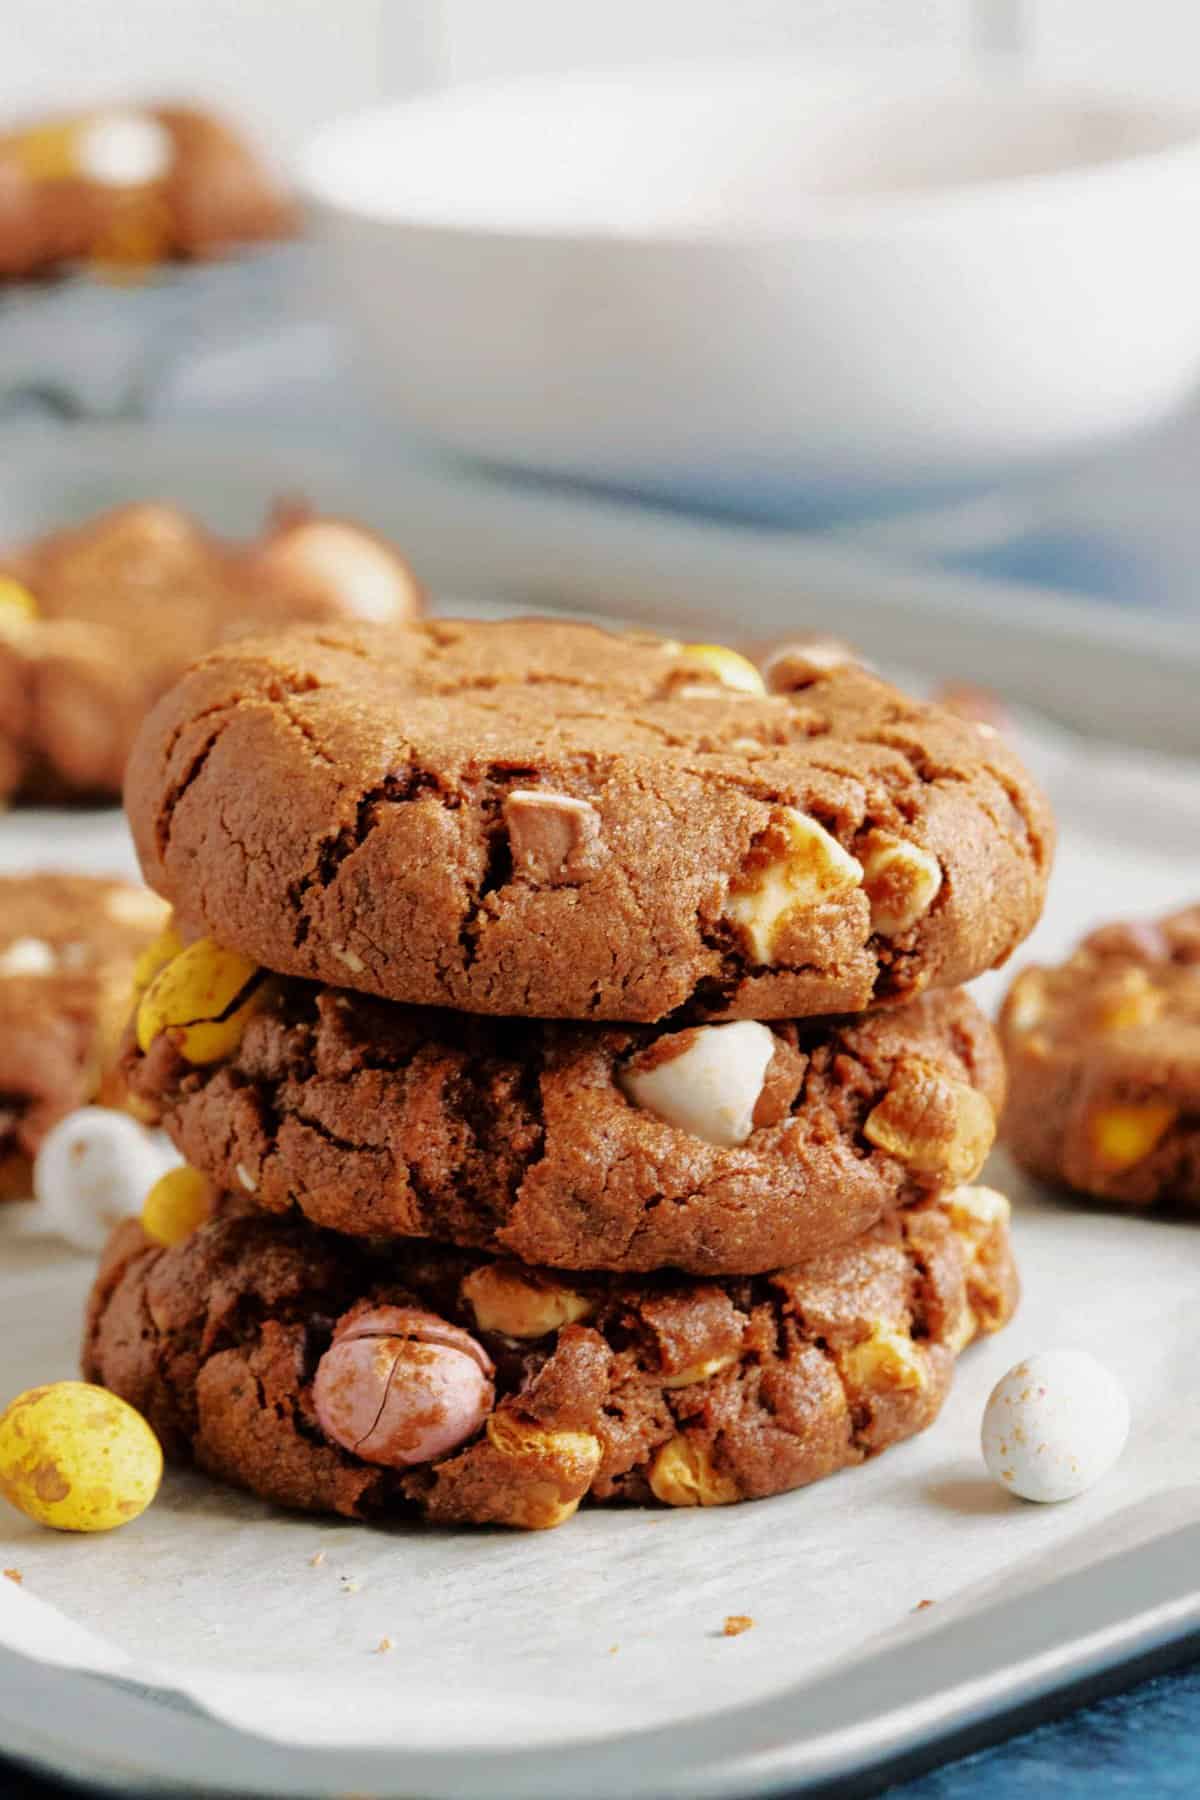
{"type": "Point", "coordinates": [569, 1028]}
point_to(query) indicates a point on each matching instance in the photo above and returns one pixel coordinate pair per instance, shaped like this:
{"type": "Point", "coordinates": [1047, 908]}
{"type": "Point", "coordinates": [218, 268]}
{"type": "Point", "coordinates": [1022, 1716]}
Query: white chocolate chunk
{"type": "Point", "coordinates": [902, 881]}
{"type": "Point", "coordinates": [93, 1169]}
{"type": "Point", "coordinates": [711, 1087]}
{"type": "Point", "coordinates": [124, 149]}
{"type": "Point", "coordinates": [351, 958]}
{"type": "Point", "coordinates": [28, 956]}
{"type": "Point", "coordinates": [810, 867]}
{"type": "Point", "coordinates": [246, 1178]}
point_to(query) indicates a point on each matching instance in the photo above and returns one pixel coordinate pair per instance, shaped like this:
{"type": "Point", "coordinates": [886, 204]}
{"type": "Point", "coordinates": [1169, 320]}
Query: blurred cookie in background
{"type": "Point", "coordinates": [69, 948]}
{"type": "Point", "coordinates": [1103, 1054]}
{"type": "Point", "coordinates": [97, 621]}
{"type": "Point", "coordinates": [126, 188]}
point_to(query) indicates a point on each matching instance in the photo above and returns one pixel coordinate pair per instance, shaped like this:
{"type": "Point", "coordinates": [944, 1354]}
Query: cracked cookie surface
{"type": "Point", "coordinates": [1104, 1060]}
{"type": "Point", "coordinates": [537, 1138]}
{"type": "Point", "coordinates": [657, 1389]}
{"type": "Point", "coordinates": [543, 819]}
{"type": "Point", "coordinates": [96, 622]}
{"type": "Point", "coordinates": [68, 945]}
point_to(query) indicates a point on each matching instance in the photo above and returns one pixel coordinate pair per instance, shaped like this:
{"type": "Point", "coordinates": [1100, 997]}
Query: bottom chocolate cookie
{"type": "Point", "coordinates": [331, 1377]}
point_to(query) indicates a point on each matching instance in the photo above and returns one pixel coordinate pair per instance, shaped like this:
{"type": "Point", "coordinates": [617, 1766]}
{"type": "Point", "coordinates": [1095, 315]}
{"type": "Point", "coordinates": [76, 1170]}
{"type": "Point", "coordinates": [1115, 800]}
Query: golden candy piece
{"type": "Point", "coordinates": [178, 1204]}
{"type": "Point", "coordinates": [886, 1362]}
{"type": "Point", "coordinates": [1132, 1001]}
{"type": "Point", "coordinates": [569, 1460]}
{"type": "Point", "coordinates": [937, 1125]}
{"type": "Point", "coordinates": [577, 1453]}
{"type": "Point", "coordinates": [901, 881]}
{"type": "Point", "coordinates": [682, 1474]}
{"type": "Point", "coordinates": [205, 996]}
{"type": "Point", "coordinates": [729, 668]}
{"type": "Point", "coordinates": [48, 152]}
{"type": "Point", "coordinates": [16, 598]}
{"type": "Point", "coordinates": [504, 1300]}
{"type": "Point", "coordinates": [976, 1213]}
{"type": "Point", "coordinates": [74, 1457]}
{"type": "Point", "coordinates": [701, 1371]}
{"type": "Point", "coordinates": [539, 1507]}
{"type": "Point", "coordinates": [1123, 1134]}
{"type": "Point", "coordinates": [795, 864]}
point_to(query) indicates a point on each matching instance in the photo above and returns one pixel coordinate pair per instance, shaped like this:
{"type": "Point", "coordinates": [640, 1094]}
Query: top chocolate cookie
{"type": "Point", "coordinates": [544, 819]}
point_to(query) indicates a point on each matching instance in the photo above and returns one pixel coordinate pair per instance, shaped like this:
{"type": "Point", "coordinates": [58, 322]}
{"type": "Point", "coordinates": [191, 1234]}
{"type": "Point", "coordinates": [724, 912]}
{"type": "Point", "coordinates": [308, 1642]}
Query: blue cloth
{"type": "Point", "coordinates": [1140, 1745]}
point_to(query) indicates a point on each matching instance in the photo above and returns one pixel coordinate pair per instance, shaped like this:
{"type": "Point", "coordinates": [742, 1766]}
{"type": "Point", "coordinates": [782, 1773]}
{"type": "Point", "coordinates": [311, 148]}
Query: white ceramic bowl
{"type": "Point", "coordinates": [767, 283]}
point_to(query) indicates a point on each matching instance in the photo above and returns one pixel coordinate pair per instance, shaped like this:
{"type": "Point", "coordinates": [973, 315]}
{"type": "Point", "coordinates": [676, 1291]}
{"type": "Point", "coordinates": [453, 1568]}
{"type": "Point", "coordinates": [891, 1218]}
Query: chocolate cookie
{"type": "Point", "coordinates": [1104, 1062]}
{"type": "Point", "coordinates": [543, 819]}
{"type": "Point", "coordinates": [717, 1149]}
{"type": "Point", "coordinates": [128, 187]}
{"type": "Point", "coordinates": [335, 1378]}
{"type": "Point", "coordinates": [96, 622]}
{"type": "Point", "coordinates": [68, 946]}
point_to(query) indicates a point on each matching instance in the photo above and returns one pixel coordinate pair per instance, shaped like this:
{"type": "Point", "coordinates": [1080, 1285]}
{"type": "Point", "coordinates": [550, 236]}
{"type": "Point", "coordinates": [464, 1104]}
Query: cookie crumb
{"type": "Point", "coordinates": [736, 1623]}
{"type": "Point", "coordinates": [383, 1646]}
{"type": "Point", "coordinates": [348, 1586]}
{"type": "Point", "coordinates": [613, 1648]}
{"type": "Point", "coordinates": [14, 1575]}
{"type": "Point", "coordinates": [315, 1561]}
{"type": "Point", "coordinates": [921, 1605]}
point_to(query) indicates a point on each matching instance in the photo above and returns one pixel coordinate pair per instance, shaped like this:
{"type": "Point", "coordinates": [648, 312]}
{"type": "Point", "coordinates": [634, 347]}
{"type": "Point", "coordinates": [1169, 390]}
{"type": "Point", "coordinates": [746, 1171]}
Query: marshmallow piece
{"type": "Point", "coordinates": [1054, 1425]}
{"type": "Point", "coordinates": [712, 1083]}
{"type": "Point", "coordinates": [94, 1168]}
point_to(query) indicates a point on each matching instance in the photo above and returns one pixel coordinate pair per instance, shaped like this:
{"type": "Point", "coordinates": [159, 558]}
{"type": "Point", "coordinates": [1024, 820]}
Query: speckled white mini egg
{"type": "Point", "coordinates": [94, 1168]}
{"type": "Point", "coordinates": [1054, 1425]}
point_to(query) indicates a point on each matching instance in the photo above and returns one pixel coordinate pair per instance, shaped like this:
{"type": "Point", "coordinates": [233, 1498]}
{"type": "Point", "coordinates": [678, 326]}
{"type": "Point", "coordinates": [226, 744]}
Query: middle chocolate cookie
{"type": "Point", "coordinates": [718, 1149]}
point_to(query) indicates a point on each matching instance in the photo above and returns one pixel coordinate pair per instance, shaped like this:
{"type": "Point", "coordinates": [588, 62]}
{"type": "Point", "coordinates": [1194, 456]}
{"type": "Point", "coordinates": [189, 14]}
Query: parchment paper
{"type": "Point", "coordinates": [615, 1621]}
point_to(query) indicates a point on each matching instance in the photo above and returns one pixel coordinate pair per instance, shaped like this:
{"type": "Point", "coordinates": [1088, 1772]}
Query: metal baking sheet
{"type": "Point", "coordinates": [1122, 1588]}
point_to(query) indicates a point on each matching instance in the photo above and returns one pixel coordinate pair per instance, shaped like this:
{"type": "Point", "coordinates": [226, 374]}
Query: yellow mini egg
{"type": "Point", "coordinates": [77, 1458]}
{"type": "Point", "coordinates": [16, 598]}
{"type": "Point", "coordinates": [206, 995]}
{"type": "Point", "coordinates": [164, 949]}
{"type": "Point", "coordinates": [176, 1205]}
